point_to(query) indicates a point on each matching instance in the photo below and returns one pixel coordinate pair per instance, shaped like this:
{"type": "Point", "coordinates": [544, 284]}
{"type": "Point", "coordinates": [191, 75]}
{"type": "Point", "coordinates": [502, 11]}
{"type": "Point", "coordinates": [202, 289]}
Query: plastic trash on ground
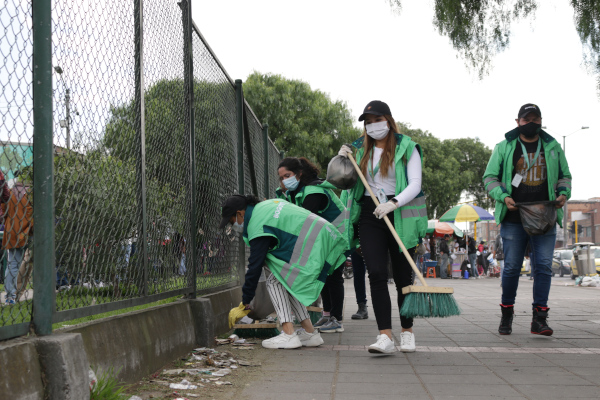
{"type": "Point", "coordinates": [184, 385]}
{"type": "Point", "coordinates": [93, 379]}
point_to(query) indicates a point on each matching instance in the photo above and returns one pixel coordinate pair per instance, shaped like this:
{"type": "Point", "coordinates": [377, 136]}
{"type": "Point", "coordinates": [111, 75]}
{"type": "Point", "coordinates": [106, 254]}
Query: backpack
{"type": "Point", "coordinates": [421, 249]}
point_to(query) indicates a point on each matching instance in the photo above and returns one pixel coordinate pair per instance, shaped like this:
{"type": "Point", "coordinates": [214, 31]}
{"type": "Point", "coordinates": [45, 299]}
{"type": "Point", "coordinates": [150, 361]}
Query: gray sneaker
{"type": "Point", "coordinates": [332, 326]}
{"type": "Point", "coordinates": [322, 321]}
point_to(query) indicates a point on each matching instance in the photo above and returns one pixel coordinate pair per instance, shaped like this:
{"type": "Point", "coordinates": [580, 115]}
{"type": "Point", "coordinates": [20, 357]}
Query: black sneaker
{"type": "Point", "coordinates": [539, 326]}
{"type": "Point", "coordinates": [505, 327]}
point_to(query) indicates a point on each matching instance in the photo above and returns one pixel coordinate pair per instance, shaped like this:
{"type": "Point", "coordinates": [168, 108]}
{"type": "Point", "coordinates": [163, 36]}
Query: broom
{"type": "Point", "coordinates": [419, 301]}
{"type": "Point", "coordinates": [255, 330]}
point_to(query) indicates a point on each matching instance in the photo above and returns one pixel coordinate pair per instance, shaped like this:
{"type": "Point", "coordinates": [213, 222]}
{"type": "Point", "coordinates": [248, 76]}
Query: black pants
{"type": "Point", "coordinates": [333, 293]}
{"type": "Point", "coordinates": [377, 242]}
{"type": "Point", "coordinates": [359, 270]}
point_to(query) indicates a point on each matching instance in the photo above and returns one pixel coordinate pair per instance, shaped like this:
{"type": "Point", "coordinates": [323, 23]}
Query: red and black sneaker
{"type": "Point", "coordinates": [507, 319]}
{"type": "Point", "coordinates": [539, 326]}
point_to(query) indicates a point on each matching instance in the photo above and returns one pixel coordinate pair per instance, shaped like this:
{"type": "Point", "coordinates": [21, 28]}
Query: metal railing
{"type": "Point", "coordinates": [123, 141]}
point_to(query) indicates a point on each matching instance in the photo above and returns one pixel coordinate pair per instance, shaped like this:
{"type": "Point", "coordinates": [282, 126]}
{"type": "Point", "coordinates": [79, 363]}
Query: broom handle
{"type": "Point", "coordinates": [387, 221]}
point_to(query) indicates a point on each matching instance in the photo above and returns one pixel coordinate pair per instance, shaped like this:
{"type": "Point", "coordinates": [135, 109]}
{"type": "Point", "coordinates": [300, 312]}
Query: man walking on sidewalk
{"type": "Point", "coordinates": [528, 166]}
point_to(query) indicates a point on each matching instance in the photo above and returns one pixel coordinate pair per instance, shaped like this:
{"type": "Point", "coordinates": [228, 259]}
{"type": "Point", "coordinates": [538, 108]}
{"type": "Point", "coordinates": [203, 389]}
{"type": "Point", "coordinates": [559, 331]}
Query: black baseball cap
{"type": "Point", "coordinates": [375, 107]}
{"type": "Point", "coordinates": [230, 207]}
{"type": "Point", "coordinates": [529, 108]}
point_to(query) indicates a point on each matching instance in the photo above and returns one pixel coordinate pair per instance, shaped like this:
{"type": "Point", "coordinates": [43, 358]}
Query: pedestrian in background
{"type": "Point", "coordinates": [444, 254]}
{"type": "Point", "coordinates": [472, 254]}
{"type": "Point", "coordinates": [18, 226]}
{"type": "Point", "coordinates": [528, 166]}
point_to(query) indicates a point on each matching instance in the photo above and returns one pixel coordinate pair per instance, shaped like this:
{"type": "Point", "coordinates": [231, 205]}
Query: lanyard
{"type": "Point", "coordinates": [526, 154]}
{"type": "Point", "coordinates": [370, 169]}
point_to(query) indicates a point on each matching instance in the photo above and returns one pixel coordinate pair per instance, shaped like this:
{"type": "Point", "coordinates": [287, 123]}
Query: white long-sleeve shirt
{"type": "Point", "coordinates": [388, 184]}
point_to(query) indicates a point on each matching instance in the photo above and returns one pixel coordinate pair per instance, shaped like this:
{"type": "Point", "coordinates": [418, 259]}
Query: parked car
{"type": "Point", "coordinates": [578, 247]}
{"type": "Point", "coordinates": [561, 262]}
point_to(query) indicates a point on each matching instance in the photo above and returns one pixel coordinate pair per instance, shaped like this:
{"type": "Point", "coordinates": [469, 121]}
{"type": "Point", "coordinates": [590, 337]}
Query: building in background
{"type": "Point", "coordinates": [14, 157]}
{"type": "Point", "coordinates": [589, 220]}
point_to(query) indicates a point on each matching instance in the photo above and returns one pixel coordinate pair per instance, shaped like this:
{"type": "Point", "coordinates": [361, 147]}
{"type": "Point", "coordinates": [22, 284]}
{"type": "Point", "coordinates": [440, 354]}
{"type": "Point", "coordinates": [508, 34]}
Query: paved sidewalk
{"type": "Point", "coordinates": [457, 358]}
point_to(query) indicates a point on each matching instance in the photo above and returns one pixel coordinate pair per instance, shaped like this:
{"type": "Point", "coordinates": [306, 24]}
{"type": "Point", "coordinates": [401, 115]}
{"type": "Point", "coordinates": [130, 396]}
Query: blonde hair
{"type": "Point", "coordinates": [389, 149]}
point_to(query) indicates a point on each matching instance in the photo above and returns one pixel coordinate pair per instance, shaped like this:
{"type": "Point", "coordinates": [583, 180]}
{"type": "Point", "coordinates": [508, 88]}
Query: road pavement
{"type": "Point", "coordinates": [460, 357]}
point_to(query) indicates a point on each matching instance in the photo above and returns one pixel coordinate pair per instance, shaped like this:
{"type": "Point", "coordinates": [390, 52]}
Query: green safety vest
{"type": "Point", "coordinates": [280, 194]}
{"type": "Point", "coordinates": [410, 220]}
{"type": "Point", "coordinates": [308, 247]}
{"type": "Point", "coordinates": [334, 212]}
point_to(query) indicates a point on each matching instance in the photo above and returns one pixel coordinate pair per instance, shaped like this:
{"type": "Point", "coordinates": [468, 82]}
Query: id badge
{"type": "Point", "coordinates": [381, 196]}
{"type": "Point", "coordinates": [517, 180]}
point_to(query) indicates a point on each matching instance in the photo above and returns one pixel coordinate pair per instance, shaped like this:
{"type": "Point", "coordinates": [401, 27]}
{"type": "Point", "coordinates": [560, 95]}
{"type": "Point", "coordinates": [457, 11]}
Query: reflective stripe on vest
{"type": "Point", "coordinates": [298, 257]}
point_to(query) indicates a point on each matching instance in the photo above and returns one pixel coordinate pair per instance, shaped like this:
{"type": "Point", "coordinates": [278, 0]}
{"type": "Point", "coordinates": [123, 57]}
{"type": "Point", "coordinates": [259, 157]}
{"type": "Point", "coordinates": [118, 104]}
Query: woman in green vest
{"type": "Point", "coordinates": [305, 189]}
{"type": "Point", "coordinates": [300, 250]}
{"type": "Point", "coordinates": [391, 162]}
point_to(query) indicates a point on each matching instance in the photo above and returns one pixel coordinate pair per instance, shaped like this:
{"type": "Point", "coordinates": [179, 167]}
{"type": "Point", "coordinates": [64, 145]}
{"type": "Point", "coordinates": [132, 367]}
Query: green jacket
{"type": "Point", "coordinates": [410, 220]}
{"type": "Point", "coordinates": [498, 175]}
{"type": "Point", "coordinates": [308, 247]}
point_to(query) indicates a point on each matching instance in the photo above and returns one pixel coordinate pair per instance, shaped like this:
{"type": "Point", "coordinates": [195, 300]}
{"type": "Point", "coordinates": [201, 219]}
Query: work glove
{"type": "Point", "coordinates": [237, 313]}
{"type": "Point", "coordinates": [384, 209]}
{"type": "Point", "coordinates": [344, 151]}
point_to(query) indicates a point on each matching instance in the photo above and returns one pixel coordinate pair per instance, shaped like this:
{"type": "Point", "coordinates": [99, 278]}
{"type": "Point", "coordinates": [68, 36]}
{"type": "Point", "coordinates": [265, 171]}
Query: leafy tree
{"type": "Point", "coordinates": [303, 122]}
{"type": "Point", "coordinates": [479, 29]}
{"type": "Point", "coordinates": [451, 169]}
{"type": "Point", "coordinates": [441, 183]}
{"type": "Point", "coordinates": [473, 156]}
{"type": "Point", "coordinates": [167, 141]}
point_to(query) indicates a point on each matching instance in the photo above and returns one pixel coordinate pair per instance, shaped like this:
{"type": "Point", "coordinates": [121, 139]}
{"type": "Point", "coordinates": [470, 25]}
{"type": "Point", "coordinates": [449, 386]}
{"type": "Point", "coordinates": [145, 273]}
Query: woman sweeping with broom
{"type": "Point", "coordinates": [298, 247]}
{"type": "Point", "coordinates": [391, 163]}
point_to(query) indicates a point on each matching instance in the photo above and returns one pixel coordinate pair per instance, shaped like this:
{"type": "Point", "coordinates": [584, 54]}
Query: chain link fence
{"type": "Point", "coordinates": [146, 134]}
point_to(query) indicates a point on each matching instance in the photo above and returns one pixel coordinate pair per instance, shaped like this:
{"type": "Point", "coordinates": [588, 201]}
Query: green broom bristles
{"type": "Point", "coordinates": [425, 305]}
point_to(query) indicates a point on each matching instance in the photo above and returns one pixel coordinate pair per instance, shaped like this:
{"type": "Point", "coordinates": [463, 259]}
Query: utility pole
{"type": "Point", "coordinates": [68, 108]}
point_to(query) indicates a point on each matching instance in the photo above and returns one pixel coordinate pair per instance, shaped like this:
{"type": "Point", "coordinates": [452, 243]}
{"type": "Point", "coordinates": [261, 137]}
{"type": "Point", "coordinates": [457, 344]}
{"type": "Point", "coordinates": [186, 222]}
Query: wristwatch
{"type": "Point", "coordinates": [394, 200]}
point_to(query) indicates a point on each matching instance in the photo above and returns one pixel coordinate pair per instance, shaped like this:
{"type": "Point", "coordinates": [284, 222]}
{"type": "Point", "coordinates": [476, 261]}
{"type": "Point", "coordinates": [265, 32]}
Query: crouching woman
{"type": "Point", "coordinates": [299, 248]}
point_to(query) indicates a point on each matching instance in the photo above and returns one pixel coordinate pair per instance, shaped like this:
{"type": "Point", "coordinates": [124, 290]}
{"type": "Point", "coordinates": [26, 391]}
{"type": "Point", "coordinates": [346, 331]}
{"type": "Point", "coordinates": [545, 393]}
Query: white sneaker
{"type": "Point", "coordinates": [407, 342]}
{"type": "Point", "coordinates": [283, 341]}
{"type": "Point", "coordinates": [383, 345]}
{"type": "Point", "coordinates": [310, 339]}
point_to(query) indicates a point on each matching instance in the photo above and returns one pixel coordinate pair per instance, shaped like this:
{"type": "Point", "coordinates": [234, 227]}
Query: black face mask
{"type": "Point", "coordinates": [529, 130]}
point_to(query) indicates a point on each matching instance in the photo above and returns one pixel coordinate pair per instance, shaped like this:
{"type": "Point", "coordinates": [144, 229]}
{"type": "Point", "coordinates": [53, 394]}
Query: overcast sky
{"type": "Point", "coordinates": [359, 50]}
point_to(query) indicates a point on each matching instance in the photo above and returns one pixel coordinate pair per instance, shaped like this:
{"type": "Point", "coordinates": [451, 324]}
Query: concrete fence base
{"type": "Point", "coordinates": [133, 345]}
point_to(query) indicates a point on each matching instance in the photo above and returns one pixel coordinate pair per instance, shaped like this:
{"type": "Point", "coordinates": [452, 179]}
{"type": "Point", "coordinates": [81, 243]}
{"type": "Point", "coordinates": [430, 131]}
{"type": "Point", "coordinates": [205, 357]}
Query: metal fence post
{"type": "Point", "coordinates": [188, 67]}
{"type": "Point", "coordinates": [43, 169]}
{"type": "Point", "coordinates": [239, 96]}
{"type": "Point", "coordinates": [266, 152]}
{"type": "Point", "coordinates": [140, 128]}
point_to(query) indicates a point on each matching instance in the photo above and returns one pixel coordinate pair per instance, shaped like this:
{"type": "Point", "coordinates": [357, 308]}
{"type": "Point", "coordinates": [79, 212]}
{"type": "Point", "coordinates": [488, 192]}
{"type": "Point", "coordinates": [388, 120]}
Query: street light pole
{"type": "Point", "coordinates": [68, 108]}
{"type": "Point", "coordinates": [565, 215]}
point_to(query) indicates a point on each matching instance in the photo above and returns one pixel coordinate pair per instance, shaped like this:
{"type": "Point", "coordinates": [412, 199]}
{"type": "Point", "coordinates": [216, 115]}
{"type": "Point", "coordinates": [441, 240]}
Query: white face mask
{"type": "Point", "coordinates": [378, 130]}
{"type": "Point", "coordinates": [237, 227]}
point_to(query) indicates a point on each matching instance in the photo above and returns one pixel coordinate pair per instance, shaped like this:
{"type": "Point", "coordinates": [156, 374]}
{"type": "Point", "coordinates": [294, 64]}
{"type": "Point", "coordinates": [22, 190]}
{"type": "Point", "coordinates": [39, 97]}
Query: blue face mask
{"type": "Point", "coordinates": [291, 183]}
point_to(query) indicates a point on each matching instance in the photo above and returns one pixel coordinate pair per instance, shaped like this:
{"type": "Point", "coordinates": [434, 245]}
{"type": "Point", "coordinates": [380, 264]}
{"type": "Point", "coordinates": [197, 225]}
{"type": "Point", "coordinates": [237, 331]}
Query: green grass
{"type": "Point", "coordinates": [79, 296]}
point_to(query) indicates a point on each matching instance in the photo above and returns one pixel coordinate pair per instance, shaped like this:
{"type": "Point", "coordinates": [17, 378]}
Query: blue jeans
{"type": "Point", "coordinates": [15, 257]}
{"type": "Point", "coordinates": [473, 261]}
{"type": "Point", "coordinates": [359, 269]}
{"type": "Point", "coordinates": [515, 241]}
